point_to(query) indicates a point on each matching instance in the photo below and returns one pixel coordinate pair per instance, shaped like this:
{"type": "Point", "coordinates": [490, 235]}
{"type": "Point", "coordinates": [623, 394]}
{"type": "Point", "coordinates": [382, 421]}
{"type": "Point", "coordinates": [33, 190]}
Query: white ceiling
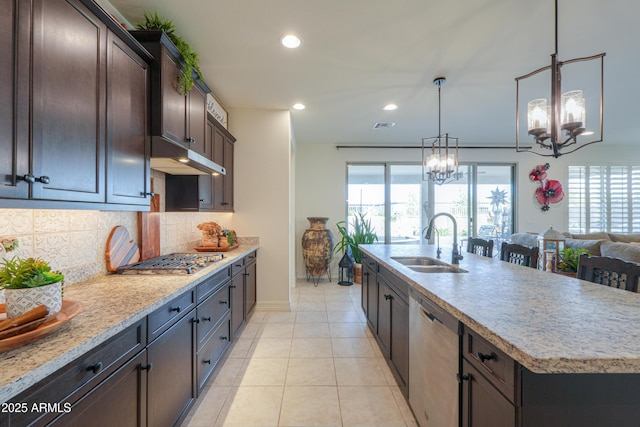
{"type": "Point", "coordinates": [358, 55]}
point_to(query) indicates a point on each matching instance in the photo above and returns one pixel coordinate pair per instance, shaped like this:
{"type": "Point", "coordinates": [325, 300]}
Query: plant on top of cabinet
{"type": "Point", "coordinates": [190, 56]}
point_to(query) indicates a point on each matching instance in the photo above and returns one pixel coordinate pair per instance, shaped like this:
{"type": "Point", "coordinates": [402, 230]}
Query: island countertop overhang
{"type": "Point", "coordinates": [547, 322]}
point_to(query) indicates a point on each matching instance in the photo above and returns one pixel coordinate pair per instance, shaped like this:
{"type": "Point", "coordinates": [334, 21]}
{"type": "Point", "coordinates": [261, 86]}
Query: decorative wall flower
{"type": "Point", "coordinates": [550, 190]}
{"type": "Point", "coordinates": [539, 173]}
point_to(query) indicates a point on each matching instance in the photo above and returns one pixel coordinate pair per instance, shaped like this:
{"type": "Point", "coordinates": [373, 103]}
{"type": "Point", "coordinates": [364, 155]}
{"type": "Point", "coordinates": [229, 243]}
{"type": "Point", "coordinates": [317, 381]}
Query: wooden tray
{"type": "Point", "coordinates": [69, 310]}
{"type": "Point", "coordinates": [215, 249]}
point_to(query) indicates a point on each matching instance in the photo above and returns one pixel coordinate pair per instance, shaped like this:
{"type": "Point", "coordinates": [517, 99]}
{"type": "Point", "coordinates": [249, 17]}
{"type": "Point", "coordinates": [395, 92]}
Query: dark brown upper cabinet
{"type": "Point", "coordinates": [175, 116]}
{"type": "Point", "coordinates": [73, 108]}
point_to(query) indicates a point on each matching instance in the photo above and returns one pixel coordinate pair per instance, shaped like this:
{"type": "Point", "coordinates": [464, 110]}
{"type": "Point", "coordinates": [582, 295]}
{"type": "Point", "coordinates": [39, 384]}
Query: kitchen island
{"type": "Point", "coordinates": [536, 348]}
{"type": "Point", "coordinates": [112, 303]}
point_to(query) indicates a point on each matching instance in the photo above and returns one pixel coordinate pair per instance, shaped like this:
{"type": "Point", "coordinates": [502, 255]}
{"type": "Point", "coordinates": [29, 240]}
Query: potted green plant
{"type": "Point", "coordinates": [28, 283]}
{"type": "Point", "coordinates": [569, 258]}
{"type": "Point", "coordinates": [153, 21]}
{"type": "Point", "coordinates": [362, 233]}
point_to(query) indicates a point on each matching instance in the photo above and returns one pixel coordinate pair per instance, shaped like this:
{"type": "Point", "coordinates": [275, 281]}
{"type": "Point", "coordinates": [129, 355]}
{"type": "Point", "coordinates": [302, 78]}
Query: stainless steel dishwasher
{"type": "Point", "coordinates": [434, 363]}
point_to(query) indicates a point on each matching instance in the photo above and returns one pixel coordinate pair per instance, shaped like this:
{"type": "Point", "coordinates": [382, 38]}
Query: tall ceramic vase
{"type": "Point", "coordinates": [317, 245]}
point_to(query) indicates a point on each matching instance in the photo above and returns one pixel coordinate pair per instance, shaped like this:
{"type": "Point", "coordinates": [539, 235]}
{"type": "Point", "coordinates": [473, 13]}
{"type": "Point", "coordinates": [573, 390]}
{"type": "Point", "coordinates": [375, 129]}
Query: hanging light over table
{"type": "Point", "coordinates": [440, 165]}
{"type": "Point", "coordinates": [557, 123]}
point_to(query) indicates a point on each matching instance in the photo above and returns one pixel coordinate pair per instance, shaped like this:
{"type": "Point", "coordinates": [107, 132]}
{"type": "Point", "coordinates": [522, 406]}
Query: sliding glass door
{"type": "Point", "coordinates": [400, 204]}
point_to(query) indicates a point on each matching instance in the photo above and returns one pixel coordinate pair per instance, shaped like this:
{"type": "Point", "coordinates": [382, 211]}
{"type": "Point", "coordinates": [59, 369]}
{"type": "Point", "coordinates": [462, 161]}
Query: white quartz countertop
{"type": "Point", "coordinates": [111, 304]}
{"type": "Point", "coordinates": [547, 322]}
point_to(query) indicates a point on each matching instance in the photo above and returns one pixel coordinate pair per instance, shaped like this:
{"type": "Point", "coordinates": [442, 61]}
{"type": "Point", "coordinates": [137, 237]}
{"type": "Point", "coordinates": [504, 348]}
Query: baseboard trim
{"type": "Point", "coordinates": [273, 306]}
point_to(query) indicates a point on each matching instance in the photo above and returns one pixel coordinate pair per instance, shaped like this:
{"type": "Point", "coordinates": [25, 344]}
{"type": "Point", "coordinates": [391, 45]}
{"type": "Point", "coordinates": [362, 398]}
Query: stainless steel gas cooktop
{"type": "Point", "coordinates": [177, 263]}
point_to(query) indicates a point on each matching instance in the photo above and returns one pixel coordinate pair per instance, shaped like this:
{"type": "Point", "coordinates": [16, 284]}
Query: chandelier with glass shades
{"type": "Point", "coordinates": [440, 165]}
{"type": "Point", "coordinates": [557, 123]}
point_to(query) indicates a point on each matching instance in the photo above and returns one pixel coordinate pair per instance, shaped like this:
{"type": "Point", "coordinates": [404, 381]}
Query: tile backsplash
{"type": "Point", "coordinates": [74, 241]}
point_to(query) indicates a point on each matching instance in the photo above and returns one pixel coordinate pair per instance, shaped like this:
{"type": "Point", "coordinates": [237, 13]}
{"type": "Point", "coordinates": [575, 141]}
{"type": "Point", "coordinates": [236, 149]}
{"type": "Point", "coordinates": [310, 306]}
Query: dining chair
{"type": "Point", "coordinates": [612, 272]}
{"type": "Point", "coordinates": [518, 254]}
{"type": "Point", "coordinates": [480, 247]}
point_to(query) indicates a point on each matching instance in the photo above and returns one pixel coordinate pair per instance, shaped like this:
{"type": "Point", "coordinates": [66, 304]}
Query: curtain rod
{"type": "Point", "coordinates": [468, 147]}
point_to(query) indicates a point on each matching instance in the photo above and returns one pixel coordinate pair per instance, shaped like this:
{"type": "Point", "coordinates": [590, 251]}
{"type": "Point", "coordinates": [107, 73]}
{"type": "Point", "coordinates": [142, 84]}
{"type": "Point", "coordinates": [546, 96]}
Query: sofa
{"type": "Point", "coordinates": [622, 246]}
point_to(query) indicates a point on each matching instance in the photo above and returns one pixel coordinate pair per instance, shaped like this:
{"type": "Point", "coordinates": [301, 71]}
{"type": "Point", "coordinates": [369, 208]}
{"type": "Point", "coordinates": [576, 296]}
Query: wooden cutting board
{"type": "Point", "coordinates": [121, 250]}
{"type": "Point", "coordinates": [149, 229]}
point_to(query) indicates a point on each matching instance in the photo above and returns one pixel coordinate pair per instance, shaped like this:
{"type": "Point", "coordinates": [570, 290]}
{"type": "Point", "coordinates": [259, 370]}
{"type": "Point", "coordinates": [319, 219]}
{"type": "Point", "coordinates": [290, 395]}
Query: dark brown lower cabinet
{"type": "Point", "coordinates": [482, 404]}
{"type": "Point", "coordinates": [250, 288]}
{"type": "Point", "coordinates": [393, 331]}
{"type": "Point", "coordinates": [236, 293]}
{"type": "Point", "coordinates": [212, 350]}
{"type": "Point", "coordinates": [369, 299]}
{"type": "Point", "coordinates": [171, 382]}
{"type": "Point", "coordinates": [120, 400]}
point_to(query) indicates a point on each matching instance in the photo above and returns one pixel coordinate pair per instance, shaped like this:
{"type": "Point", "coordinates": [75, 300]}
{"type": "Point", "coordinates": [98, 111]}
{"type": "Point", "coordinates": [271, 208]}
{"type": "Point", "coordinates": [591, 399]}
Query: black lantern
{"type": "Point", "coordinates": [345, 276]}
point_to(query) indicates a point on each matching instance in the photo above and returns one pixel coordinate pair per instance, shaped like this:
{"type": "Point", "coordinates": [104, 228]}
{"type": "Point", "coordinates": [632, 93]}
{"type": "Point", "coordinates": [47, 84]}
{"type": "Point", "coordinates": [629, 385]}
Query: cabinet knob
{"type": "Point", "coordinates": [201, 200]}
{"type": "Point", "coordinates": [223, 338]}
{"type": "Point", "coordinates": [196, 320]}
{"type": "Point", "coordinates": [484, 357]}
{"type": "Point", "coordinates": [388, 297]}
{"type": "Point", "coordinates": [43, 179]}
{"type": "Point", "coordinates": [95, 368]}
{"type": "Point", "coordinates": [146, 367]}
{"type": "Point", "coordinates": [191, 140]}
{"type": "Point", "coordinates": [177, 309]}
{"type": "Point", "coordinates": [206, 319]}
{"type": "Point", "coordinates": [148, 193]}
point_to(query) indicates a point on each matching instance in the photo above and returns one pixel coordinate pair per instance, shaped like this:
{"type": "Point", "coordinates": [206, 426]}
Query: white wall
{"type": "Point", "coordinates": [262, 174]}
{"type": "Point", "coordinates": [321, 181]}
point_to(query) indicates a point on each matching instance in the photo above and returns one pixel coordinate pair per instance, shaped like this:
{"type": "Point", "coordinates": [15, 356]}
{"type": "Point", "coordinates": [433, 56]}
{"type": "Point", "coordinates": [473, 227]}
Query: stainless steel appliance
{"type": "Point", "coordinates": [434, 363]}
{"type": "Point", "coordinates": [177, 263]}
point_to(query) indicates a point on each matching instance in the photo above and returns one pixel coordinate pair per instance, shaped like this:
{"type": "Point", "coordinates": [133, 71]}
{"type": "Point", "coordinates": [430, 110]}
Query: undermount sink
{"type": "Point", "coordinates": [436, 269]}
{"type": "Point", "coordinates": [411, 261]}
{"type": "Point", "coordinates": [428, 265]}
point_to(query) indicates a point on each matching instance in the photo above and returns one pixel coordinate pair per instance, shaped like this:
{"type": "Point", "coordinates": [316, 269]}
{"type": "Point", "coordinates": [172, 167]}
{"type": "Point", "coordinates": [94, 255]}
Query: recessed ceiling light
{"type": "Point", "coordinates": [390, 107]}
{"type": "Point", "coordinates": [290, 41]}
{"type": "Point", "coordinates": [299, 106]}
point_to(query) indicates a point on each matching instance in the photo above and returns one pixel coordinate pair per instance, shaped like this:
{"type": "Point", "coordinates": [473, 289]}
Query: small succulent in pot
{"type": "Point", "coordinates": [28, 283]}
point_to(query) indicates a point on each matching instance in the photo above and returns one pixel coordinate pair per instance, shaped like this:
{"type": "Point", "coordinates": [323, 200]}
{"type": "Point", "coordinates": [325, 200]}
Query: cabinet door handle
{"type": "Point", "coordinates": [206, 319]}
{"type": "Point", "coordinates": [148, 193]}
{"type": "Point", "coordinates": [196, 320]}
{"type": "Point", "coordinates": [27, 178]}
{"type": "Point", "coordinates": [177, 309]}
{"type": "Point", "coordinates": [388, 297]}
{"type": "Point", "coordinates": [232, 286]}
{"type": "Point", "coordinates": [191, 140]}
{"type": "Point", "coordinates": [484, 357]}
{"type": "Point", "coordinates": [146, 367]}
{"type": "Point", "coordinates": [224, 203]}
{"type": "Point", "coordinates": [95, 368]}
{"type": "Point", "coordinates": [246, 274]}
{"type": "Point", "coordinates": [43, 179]}
{"type": "Point", "coordinates": [201, 200]}
{"type": "Point", "coordinates": [223, 338]}
{"type": "Point", "coordinates": [208, 361]}
{"type": "Point", "coordinates": [463, 377]}
{"type": "Point", "coordinates": [223, 302]}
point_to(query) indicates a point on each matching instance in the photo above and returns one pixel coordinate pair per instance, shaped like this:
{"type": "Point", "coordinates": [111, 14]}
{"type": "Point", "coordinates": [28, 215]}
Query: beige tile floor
{"type": "Point", "coordinates": [317, 365]}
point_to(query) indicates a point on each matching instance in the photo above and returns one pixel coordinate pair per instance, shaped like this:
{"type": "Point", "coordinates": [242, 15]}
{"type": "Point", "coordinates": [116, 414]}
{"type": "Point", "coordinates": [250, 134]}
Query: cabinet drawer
{"type": "Point", "coordinates": [213, 350]}
{"type": "Point", "coordinates": [74, 380]}
{"type": "Point", "coordinates": [161, 319]}
{"type": "Point", "coordinates": [250, 258]}
{"type": "Point", "coordinates": [499, 368]}
{"type": "Point", "coordinates": [370, 263]}
{"type": "Point", "coordinates": [237, 266]}
{"type": "Point", "coordinates": [210, 285]}
{"type": "Point", "coordinates": [210, 312]}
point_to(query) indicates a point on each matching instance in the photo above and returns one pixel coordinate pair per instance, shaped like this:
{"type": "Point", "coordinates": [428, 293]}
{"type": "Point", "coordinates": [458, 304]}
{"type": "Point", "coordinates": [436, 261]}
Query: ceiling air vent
{"type": "Point", "coordinates": [383, 125]}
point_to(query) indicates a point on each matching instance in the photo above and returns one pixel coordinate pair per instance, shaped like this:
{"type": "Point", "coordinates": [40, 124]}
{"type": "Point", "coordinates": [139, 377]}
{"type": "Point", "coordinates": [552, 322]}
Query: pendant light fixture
{"type": "Point", "coordinates": [557, 123]}
{"type": "Point", "coordinates": [440, 164]}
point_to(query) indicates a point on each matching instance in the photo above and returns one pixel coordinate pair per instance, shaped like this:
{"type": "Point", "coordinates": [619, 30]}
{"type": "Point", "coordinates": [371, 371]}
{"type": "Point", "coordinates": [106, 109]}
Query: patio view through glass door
{"type": "Point", "coordinates": [400, 204]}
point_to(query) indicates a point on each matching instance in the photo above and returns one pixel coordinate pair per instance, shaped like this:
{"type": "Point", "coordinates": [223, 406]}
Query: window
{"type": "Point", "coordinates": [600, 198]}
{"type": "Point", "coordinates": [400, 204]}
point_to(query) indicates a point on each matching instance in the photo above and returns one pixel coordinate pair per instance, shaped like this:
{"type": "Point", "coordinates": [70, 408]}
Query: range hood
{"type": "Point", "coordinates": [175, 159]}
